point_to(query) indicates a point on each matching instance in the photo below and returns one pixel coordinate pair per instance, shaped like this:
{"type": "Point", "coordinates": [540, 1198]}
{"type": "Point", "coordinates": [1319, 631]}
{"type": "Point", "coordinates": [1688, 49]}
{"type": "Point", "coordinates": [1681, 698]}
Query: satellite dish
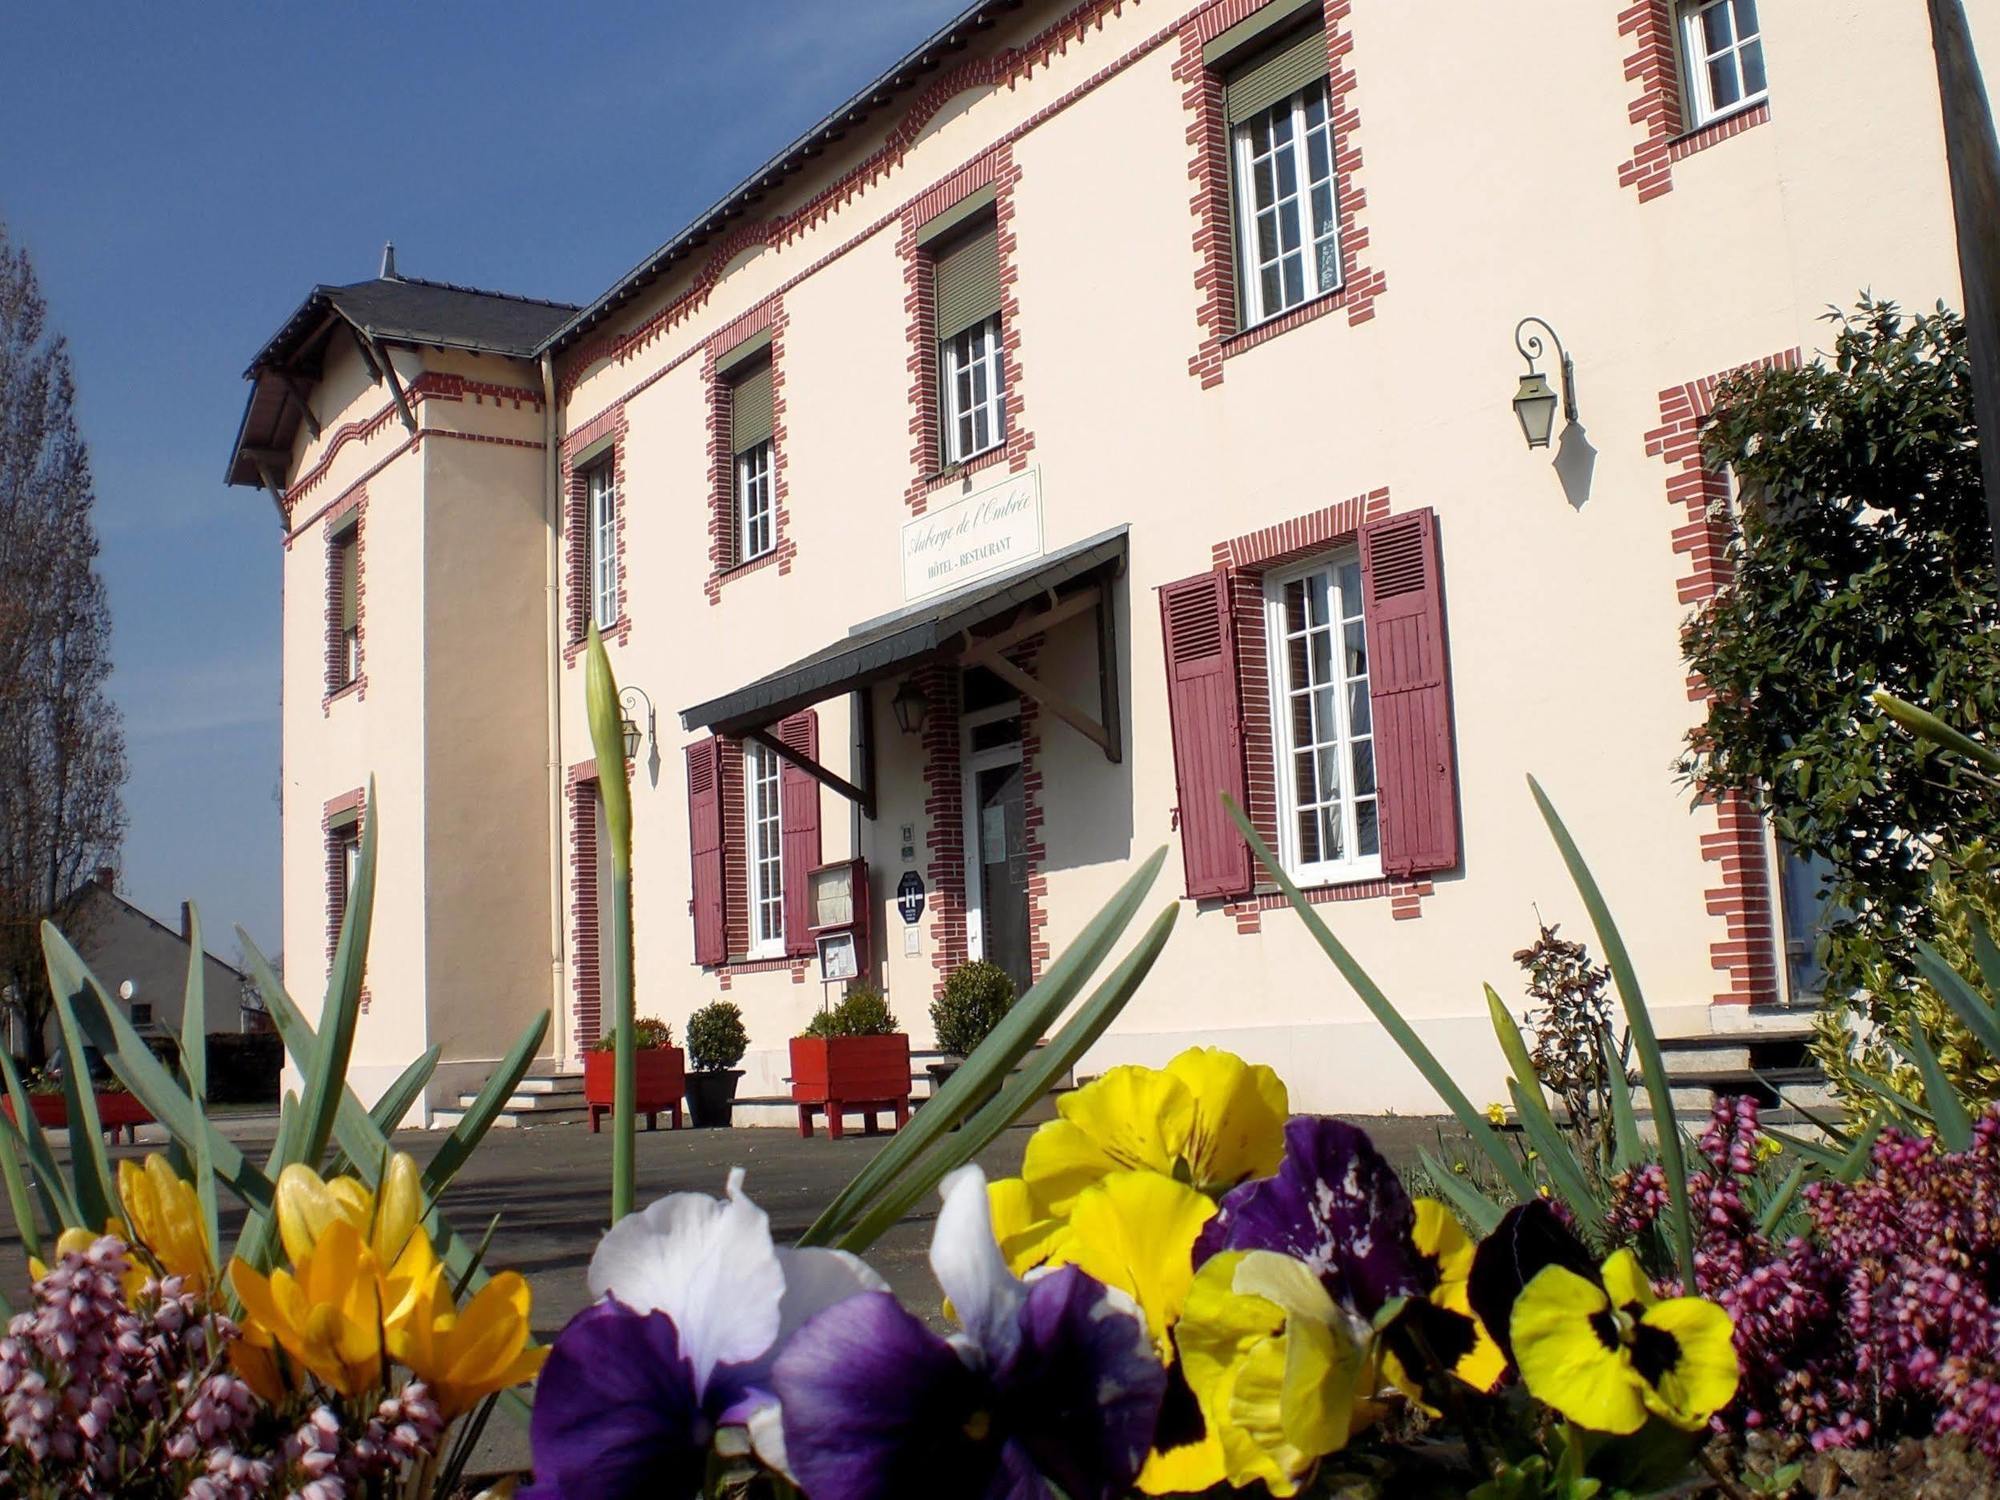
{"type": "Point", "coordinates": [127, 990]}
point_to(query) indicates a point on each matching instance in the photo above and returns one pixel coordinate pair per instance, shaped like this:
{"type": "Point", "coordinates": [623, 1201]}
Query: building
{"type": "Point", "coordinates": [1124, 388]}
{"type": "Point", "coordinates": [143, 963]}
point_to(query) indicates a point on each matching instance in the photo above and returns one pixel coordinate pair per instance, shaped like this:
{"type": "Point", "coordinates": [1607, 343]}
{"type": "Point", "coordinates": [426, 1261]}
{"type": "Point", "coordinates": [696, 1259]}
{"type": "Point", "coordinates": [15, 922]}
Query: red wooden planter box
{"type": "Point", "coordinates": [659, 1079]}
{"type": "Point", "coordinates": [114, 1111]}
{"type": "Point", "coordinates": [862, 1073]}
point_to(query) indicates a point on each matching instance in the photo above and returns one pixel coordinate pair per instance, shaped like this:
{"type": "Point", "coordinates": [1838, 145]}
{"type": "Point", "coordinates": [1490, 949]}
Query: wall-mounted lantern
{"type": "Point", "coordinates": [910, 706]}
{"type": "Point", "coordinates": [629, 729]}
{"type": "Point", "coordinates": [1534, 401]}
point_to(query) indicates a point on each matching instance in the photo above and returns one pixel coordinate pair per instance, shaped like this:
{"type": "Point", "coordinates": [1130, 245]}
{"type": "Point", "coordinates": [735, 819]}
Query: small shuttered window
{"type": "Point", "coordinates": [1286, 189]}
{"type": "Point", "coordinates": [750, 429]}
{"type": "Point", "coordinates": [1286, 70]}
{"type": "Point", "coordinates": [343, 647]}
{"type": "Point", "coordinates": [972, 375]}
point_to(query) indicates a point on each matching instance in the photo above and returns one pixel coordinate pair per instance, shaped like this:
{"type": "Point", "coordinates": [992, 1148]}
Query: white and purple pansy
{"type": "Point", "coordinates": [695, 1303]}
{"type": "Point", "coordinates": [1335, 1204]}
{"type": "Point", "coordinates": [1051, 1389]}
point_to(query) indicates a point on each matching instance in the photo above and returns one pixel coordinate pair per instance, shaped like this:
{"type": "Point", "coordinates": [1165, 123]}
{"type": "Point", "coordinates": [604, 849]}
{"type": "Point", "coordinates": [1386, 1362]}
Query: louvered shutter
{"type": "Point", "coordinates": [750, 408]}
{"type": "Point", "coordinates": [1277, 75]}
{"type": "Point", "coordinates": [1409, 684]}
{"type": "Point", "coordinates": [704, 772]}
{"type": "Point", "coordinates": [1203, 707]}
{"type": "Point", "coordinates": [798, 829]}
{"type": "Point", "coordinates": [968, 281]}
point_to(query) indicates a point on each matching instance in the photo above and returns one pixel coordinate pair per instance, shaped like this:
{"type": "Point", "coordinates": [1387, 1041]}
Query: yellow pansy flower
{"type": "Point", "coordinates": [1606, 1353]}
{"type": "Point", "coordinates": [165, 1214]}
{"type": "Point", "coordinates": [1274, 1364]}
{"type": "Point", "coordinates": [1439, 1236]}
{"type": "Point", "coordinates": [1207, 1119]}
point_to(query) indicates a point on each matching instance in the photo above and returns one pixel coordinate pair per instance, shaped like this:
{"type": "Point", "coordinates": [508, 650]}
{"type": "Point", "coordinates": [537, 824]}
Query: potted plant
{"type": "Point", "coordinates": [715, 1043]}
{"type": "Point", "coordinates": [117, 1109]}
{"type": "Point", "coordinates": [852, 1057]}
{"type": "Point", "coordinates": [659, 1074]}
{"type": "Point", "coordinates": [976, 997]}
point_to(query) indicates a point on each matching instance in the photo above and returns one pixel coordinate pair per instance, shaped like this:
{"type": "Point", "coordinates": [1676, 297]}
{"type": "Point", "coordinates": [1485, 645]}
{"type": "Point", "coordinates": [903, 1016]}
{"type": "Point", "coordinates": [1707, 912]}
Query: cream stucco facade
{"type": "Point", "coordinates": [1496, 162]}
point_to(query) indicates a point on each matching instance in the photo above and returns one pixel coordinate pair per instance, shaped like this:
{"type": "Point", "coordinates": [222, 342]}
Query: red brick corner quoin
{"type": "Point", "coordinates": [1747, 951]}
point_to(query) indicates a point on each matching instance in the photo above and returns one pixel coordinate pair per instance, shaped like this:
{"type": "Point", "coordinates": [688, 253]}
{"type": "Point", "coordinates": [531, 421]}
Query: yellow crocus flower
{"type": "Point", "coordinates": [466, 1354]}
{"type": "Point", "coordinates": [1275, 1365]}
{"type": "Point", "coordinates": [165, 1214]}
{"type": "Point", "coordinates": [308, 1205]}
{"type": "Point", "coordinates": [325, 1313]}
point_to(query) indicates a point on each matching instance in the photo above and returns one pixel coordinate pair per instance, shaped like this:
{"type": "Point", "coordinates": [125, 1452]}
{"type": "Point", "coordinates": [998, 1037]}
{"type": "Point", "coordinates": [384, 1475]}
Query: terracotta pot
{"type": "Point", "coordinates": [711, 1097]}
{"type": "Point", "coordinates": [659, 1076]}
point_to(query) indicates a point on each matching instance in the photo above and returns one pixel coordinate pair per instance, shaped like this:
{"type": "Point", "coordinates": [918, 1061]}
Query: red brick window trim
{"type": "Point", "coordinates": [1660, 107]}
{"type": "Point", "coordinates": [345, 547]}
{"type": "Point", "coordinates": [1246, 559]}
{"type": "Point", "coordinates": [341, 820]}
{"type": "Point", "coordinates": [600, 441]}
{"type": "Point", "coordinates": [1210, 169]}
{"type": "Point", "coordinates": [929, 472]}
{"type": "Point", "coordinates": [724, 566]}
{"type": "Point", "coordinates": [1746, 952]}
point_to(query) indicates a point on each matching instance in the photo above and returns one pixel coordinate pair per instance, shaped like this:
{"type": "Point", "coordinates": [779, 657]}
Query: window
{"type": "Point", "coordinates": [974, 387]}
{"type": "Point", "coordinates": [1807, 911]}
{"type": "Point", "coordinates": [344, 611]}
{"type": "Point", "coordinates": [971, 368]}
{"type": "Point", "coordinates": [750, 425]}
{"type": "Point", "coordinates": [1722, 46]}
{"type": "Point", "coordinates": [343, 856]}
{"type": "Point", "coordinates": [601, 544]}
{"type": "Point", "coordinates": [1321, 712]}
{"type": "Point", "coordinates": [765, 848]}
{"type": "Point", "coordinates": [1287, 200]}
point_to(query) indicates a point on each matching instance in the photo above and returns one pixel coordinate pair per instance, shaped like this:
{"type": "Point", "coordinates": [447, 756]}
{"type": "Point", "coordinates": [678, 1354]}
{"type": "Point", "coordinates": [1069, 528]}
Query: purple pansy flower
{"type": "Point", "coordinates": [1051, 1389]}
{"type": "Point", "coordinates": [695, 1304]}
{"type": "Point", "coordinates": [1335, 1204]}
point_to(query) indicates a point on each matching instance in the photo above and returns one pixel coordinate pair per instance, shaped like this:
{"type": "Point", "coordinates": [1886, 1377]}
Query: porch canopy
{"type": "Point", "coordinates": [972, 627]}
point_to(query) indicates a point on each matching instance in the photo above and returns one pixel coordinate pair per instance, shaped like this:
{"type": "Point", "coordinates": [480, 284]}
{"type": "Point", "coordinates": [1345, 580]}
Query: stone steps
{"type": "Point", "coordinates": [542, 1098]}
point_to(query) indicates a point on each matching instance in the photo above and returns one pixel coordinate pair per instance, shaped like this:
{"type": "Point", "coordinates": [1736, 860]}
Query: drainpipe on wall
{"type": "Point", "coordinates": [552, 518]}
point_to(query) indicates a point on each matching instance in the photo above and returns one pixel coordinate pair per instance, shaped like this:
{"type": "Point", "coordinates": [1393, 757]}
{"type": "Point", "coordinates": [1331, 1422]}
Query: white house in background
{"type": "Point", "coordinates": [143, 963]}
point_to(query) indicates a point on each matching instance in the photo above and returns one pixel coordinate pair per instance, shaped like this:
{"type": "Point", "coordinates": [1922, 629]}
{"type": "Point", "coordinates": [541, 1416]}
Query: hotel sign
{"type": "Point", "coordinates": [988, 531]}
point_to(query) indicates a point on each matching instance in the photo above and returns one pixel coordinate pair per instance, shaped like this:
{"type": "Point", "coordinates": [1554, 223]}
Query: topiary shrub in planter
{"type": "Point", "coordinates": [976, 998]}
{"type": "Point", "coordinates": [715, 1042]}
{"type": "Point", "coordinates": [659, 1074]}
{"type": "Point", "coordinates": [852, 1057]}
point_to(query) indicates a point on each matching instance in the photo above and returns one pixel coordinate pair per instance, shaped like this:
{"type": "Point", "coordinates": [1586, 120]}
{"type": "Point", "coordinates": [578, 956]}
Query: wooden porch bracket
{"type": "Point", "coordinates": [380, 367]}
{"type": "Point", "coordinates": [864, 797]}
{"type": "Point", "coordinates": [1105, 732]}
{"type": "Point", "coordinates": [295, 388]}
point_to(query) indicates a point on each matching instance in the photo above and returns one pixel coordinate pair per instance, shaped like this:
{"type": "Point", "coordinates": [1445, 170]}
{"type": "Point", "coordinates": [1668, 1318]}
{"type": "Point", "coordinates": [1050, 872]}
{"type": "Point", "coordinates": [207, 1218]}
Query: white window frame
{"type": "Point", "coordinates": [601, 543]}
{"type": "Point", "coordinates": [963, 358]}
{"type": "Point", "coordinates": [1249, 269]}
{"type": "Point", "coordinates": [1351, 867]}
{"type": "Point", "coordinates": [1702, 110]}
{"type": "Point", "coordinates": [756, 509]}
{"type": "Point", "coordinates": [763, 849]}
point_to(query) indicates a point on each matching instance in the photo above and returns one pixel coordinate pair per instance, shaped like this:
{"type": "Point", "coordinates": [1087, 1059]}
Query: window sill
{"type": "Point", "coordinates": [747, 565]}
{"type": "Point", "coordinates": [1721, 128]}
{"type": "Point", "coordinates": [966, 467]}
{"type": "Point", "coordinates": [349, 689]}
{"type": "Point", "coordinates": [1284, 322]}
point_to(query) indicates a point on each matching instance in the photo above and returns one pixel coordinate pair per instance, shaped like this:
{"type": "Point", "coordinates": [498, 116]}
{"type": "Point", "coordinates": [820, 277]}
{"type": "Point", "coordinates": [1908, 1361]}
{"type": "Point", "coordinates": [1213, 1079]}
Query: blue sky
{"type": "Point", "coordinates": [183, 174]}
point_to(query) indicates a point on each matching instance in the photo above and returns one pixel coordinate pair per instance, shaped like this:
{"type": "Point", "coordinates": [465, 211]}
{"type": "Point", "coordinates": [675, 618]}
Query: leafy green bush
{"type": "Point", "coordinates": [1897, 1002]}
{"type": "Point", "coordinates": [648, 1033]}
{"type": "Point", "coordinates": [864, 1012]}
{"type": "Point", "coordinates": [977, 996]}
{"type": "Point", "coordinates": [715, 1037]}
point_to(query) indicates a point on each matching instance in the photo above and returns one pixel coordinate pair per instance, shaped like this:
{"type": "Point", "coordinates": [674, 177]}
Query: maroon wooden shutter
{"type": "Point", "coordinates": [1207, 720]}
{"type": "Point", "coordinates": [705, 849]}
{"type": "Point", "coordinates": [1409, 681]}
{"type": "Point", "coordinates": [798, 828]}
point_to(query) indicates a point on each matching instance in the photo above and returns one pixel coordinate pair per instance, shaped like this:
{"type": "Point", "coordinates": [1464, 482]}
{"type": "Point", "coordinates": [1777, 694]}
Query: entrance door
{"type": "Point", "coordinates": [996, 839]}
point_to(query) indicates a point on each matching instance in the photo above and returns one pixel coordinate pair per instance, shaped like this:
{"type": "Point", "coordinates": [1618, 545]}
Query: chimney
{"type": "Point", "coordinates": [389, 262]}
{"type": "Point", "coordinates": [107, 876]}
{"type": "Point", "coordinates": [187, 923]}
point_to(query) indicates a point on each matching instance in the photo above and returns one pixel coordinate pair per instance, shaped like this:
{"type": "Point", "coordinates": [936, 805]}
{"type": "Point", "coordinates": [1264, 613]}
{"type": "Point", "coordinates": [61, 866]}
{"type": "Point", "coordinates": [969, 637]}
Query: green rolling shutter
{"type": "Point", "coordinates": [750, 408]}
{"type": "Point", "coordinates": [1277, 75]}
{"type": "Point", "coordinates": [350, 613]}
{"type": "Point", "coordinates": [969, 207]}
{"type": "Point", "coordinates": [968, 282]}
